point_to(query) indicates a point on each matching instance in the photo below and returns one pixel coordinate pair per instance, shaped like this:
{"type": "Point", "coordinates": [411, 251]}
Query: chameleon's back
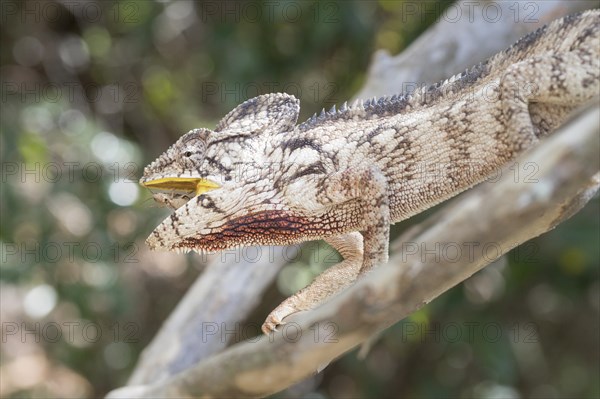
{"type": "Point", "coordinates": [447, 137]}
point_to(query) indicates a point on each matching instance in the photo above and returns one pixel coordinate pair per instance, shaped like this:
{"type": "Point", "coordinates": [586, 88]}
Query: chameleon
{"type": "Point", "coordinates": [346, 175]}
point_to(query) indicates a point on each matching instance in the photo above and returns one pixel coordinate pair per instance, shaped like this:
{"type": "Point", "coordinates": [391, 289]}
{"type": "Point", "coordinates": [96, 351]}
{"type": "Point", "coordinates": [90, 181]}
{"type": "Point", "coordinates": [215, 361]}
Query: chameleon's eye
{"type": "Point", "coordinates": [192, 155]}
{"type": "Point", "coordinates": [191, 149]}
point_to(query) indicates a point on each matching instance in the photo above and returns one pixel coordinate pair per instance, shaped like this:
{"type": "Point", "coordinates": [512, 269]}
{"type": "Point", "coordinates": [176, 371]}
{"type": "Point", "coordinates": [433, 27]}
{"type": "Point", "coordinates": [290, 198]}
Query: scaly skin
{"type": "Point", "coordinates": [346, 175]}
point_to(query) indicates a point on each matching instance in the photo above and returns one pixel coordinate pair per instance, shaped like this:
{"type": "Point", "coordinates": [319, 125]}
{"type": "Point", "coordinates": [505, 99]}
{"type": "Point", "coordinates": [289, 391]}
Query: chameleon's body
{"type": "Point", "coordinates": [345, 176]}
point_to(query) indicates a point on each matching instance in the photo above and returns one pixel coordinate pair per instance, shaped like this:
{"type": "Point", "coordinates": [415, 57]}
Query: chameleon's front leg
{"type": "Point", "coordinates": [360, 251]}
{"type": "Point", "coordinates": [332, 280]}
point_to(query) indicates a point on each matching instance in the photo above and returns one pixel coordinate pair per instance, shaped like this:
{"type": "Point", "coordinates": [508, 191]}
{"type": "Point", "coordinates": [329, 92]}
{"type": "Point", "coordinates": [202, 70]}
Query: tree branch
{"type": "Point", "coordinates": [227, 291]}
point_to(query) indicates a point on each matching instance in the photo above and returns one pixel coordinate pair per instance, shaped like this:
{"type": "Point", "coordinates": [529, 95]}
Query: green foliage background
{"type": "Point", "coordinates": [93, 91]}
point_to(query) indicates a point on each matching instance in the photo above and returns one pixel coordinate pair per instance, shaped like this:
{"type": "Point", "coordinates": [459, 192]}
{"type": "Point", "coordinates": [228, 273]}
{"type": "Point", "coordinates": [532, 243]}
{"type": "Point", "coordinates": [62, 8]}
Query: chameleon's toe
{"type": "Point", "coordinates": [270, 325]}
{"type": "Point", "coordinates": [275, 318]}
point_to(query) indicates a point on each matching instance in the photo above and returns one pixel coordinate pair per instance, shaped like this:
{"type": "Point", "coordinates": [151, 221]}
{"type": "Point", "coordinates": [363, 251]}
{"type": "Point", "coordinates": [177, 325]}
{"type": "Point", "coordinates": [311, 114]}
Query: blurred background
{"type": "Point", "coordinates": [93, 91]}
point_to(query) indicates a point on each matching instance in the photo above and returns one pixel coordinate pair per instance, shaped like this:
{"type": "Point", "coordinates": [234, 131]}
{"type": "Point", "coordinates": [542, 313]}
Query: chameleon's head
{"type": "Point", "coordinates": [215, 179]}
{"type": "Point", "coordinates": [179, 170]}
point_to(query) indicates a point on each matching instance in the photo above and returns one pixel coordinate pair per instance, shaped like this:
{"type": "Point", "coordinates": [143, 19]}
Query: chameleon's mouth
{"type": "Point", "coordinates": [196, 185]}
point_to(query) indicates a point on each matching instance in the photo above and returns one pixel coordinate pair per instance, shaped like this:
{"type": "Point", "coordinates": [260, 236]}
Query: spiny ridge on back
{"type": "Point", "coordinates": [423, 96]}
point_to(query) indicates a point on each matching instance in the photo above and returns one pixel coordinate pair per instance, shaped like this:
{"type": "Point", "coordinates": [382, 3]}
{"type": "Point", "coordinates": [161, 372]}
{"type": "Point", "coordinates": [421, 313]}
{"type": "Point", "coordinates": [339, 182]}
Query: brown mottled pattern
{"type": "Point", "coordinates": [346, 174]}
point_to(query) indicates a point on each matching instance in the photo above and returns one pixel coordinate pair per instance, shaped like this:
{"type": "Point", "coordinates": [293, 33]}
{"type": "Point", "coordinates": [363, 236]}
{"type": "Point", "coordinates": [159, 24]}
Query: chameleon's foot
{"type": "Point", "coordinates": [275, 318]}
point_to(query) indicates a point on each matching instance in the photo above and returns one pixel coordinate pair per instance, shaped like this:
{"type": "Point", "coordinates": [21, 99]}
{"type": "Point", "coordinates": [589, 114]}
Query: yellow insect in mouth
{"type": "Point", "coordinates": [189, 184]}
